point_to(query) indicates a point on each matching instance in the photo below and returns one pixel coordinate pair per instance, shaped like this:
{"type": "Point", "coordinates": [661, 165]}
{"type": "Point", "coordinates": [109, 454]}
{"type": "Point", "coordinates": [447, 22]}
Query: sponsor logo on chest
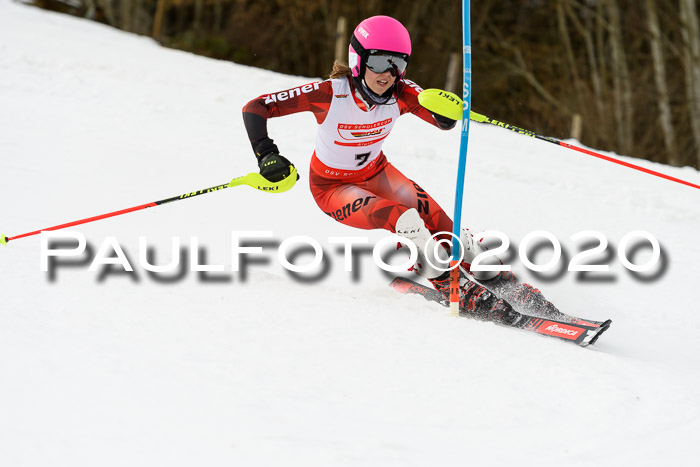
{"type": "Point", "coordinates": [360, 133]}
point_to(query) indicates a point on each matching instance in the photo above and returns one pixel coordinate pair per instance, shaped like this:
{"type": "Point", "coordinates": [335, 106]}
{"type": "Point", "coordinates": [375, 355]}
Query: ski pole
{"type": "Point", "coordinates": [484, 119]}
{"type": "Point", "coordinates": [253, 179]}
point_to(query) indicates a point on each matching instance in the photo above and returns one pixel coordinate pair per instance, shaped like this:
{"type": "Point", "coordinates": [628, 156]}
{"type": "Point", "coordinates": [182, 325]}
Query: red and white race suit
{"type": "Point", "coordinates": [350, 177]}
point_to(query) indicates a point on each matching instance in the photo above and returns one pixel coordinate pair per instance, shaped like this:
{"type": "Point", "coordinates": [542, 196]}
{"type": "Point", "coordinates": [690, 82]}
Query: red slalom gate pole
{"type": "Point", "coordinates": [484, 119]}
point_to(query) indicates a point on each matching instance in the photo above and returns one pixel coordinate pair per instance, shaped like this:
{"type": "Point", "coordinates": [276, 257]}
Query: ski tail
{"type": "Point", "coordinates": [407, 286]}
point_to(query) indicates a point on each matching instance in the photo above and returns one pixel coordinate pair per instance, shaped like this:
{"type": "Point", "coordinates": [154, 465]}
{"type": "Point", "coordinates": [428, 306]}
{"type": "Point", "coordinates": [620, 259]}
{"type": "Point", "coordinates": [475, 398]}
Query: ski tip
{"type": "Point", "coordinates": [3, 239]}
{"type": "Point", "coordinates": [603, 327]}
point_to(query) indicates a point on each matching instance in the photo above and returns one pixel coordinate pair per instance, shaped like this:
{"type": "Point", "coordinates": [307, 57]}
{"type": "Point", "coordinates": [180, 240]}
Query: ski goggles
{"type": "Point", "coordinates": [380, 63]}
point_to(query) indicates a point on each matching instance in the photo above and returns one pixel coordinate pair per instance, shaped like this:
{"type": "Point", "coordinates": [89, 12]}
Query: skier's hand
{"type": "Point", "coordinates": [275, 167]}
{"type": "Point", "coordinates": [442, 103]}
{"type": "Point", "coordinates": [443, 122]}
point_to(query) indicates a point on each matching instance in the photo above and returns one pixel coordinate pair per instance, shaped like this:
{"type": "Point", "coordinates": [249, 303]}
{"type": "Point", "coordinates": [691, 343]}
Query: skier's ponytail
{"type": "Point", "coordinates": [340, 69]}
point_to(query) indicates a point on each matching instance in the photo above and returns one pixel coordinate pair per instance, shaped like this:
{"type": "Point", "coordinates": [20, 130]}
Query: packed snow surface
{"type": "Point", "coordinates": [215, 368]}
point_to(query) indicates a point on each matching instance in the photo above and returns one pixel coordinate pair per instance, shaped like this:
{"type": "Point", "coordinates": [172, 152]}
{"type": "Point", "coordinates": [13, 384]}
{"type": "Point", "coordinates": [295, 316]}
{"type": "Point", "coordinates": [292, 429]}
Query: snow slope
{"type": "Point", "coordinates": [130, 369]}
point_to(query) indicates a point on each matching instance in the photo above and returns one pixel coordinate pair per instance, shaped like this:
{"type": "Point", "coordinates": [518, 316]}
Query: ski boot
{"type": "Point", "coordinates": [504, 284]}
{"type": "Point", "coordinates": [478, 302]}
{"type": "Point", "coordinates": [524, 296]}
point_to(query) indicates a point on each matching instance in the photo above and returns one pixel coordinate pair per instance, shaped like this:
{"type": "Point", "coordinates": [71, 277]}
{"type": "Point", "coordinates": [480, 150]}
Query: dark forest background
{"type": "Point", "coordinates": [619, 75]}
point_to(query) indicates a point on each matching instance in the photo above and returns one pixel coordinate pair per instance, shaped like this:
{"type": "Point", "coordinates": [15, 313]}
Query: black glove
{"type": "Point", "coordinates": [444, 122]}
{"type": "Point", "coordinates": [275, 167]}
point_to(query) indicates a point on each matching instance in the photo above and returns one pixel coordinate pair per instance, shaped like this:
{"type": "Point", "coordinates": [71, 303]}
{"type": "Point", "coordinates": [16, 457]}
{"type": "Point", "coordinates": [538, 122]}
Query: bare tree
{"type": "Point", "coordinates": [690, 32]}
{"type": "Point", "coordinates": [198, 12]}
{"type": "Point", "coordinates": [622, 84]}
{"type": "Point", "coordinates": [586, 31]}
{"type": "Point", "coordinates": [125, 13]}
{"type": "Point", "coordinates": [571, 65]}
{"type": "Point", "coordinates": [663, 97]}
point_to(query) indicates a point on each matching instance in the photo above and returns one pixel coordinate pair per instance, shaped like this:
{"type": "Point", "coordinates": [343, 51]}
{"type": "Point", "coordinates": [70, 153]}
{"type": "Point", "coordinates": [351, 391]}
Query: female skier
{"type": "Point", "coordinates": [350, 177]}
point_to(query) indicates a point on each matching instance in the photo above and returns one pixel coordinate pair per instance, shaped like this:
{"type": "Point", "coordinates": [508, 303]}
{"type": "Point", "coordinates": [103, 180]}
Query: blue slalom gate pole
{"type": "Point", "coordinates": [461, 168]}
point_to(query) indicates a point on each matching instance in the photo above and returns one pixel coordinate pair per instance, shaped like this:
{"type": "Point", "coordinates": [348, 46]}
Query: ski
{"type": "Point", "coordinates": [579, 331]}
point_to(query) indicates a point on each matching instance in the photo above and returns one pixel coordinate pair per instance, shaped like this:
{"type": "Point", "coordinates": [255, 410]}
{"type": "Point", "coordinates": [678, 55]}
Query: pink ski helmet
{"type": "Point", "coordinates": [380, 43]}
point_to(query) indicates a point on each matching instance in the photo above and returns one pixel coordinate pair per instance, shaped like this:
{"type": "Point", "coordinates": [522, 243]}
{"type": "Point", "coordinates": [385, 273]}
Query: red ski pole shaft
{"type": "Point", "coordinates": [253, 179]}
{"type": "Point", "coordinates": [484, 119]}
{"type": "Point", "coordinates": [4, 239]}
